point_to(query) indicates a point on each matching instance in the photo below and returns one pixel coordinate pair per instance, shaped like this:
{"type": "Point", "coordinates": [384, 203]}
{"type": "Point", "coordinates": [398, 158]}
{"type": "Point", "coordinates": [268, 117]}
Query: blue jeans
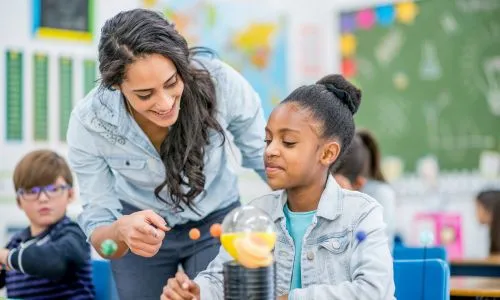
{"type": "Point", "coordinates": [143, 278]}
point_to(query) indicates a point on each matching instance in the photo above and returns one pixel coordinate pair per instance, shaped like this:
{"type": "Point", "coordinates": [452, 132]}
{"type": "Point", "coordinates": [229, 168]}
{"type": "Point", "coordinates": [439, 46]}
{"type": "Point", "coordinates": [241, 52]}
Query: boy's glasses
{"type": "Point", "coordinates": [51, 191]}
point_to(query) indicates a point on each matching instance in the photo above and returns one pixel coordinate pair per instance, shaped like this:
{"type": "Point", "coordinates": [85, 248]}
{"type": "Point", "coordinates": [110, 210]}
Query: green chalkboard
{"type": "Point", "coordinates": [430, 81]}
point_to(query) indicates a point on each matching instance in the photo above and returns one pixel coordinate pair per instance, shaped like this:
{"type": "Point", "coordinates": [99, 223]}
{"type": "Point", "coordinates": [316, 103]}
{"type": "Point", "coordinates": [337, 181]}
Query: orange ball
{"type": "Point", "coordinates": [194, 234]}
{"type": "Point", "coordinates": [216, 230]}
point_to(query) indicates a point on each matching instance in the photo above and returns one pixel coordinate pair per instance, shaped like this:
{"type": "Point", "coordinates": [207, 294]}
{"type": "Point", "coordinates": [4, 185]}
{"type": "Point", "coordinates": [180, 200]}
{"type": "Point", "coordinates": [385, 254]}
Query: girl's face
{"type": "Point", "coordinates": [153, 88]}
{"type": "Point", "coordinates": [482, 214]}
{"type": "Point", "coordinates": [295, 155]}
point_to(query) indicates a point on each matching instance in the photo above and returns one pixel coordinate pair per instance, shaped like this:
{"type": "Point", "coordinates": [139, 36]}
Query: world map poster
{"type": "Point", "coordinates": [250, 39]}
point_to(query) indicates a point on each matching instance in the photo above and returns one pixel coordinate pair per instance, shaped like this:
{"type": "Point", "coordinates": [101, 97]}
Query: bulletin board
{"type": "Point", "coordinates": [63, 19]}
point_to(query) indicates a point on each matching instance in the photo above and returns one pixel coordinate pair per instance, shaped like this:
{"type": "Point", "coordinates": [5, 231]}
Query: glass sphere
{"type": "Point", "coordinates": [247, 219]}
{"type": "Point", "coordinates": [251, 225]}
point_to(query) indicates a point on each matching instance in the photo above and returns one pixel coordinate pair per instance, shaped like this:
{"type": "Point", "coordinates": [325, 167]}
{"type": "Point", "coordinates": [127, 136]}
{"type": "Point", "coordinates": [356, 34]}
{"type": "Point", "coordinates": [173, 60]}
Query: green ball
{"type": "Point", "coordinates": [108, 247]}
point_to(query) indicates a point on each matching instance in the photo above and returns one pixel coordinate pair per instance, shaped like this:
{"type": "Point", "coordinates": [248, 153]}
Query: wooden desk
{"type": "Point", "coordinates": [474, 286]}
{"type": "Point", "coordinates": [489, 261]}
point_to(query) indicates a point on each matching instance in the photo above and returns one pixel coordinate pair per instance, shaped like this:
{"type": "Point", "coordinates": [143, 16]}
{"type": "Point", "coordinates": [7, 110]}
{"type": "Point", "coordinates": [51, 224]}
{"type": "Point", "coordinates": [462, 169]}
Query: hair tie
{"type": "Point", "coordinates": [343, 96]}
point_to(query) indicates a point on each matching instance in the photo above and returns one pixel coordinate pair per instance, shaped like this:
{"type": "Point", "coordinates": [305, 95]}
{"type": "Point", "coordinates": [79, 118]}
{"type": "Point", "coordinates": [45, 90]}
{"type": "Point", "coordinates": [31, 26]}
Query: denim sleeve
{"type": "Point", "coordinates": [211, 280]}
{"type": "Point", "coordinates": [244, 116]}
{"type": "Point", "coordinates": [95, 179]}
{"type": "Point", "coordinates": [371, 266]}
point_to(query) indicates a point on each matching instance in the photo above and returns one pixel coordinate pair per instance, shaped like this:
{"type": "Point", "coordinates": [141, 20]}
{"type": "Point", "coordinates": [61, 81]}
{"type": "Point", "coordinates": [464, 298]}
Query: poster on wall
{"type": "Point", "coordinates": [250, 39]}
{"type": "Point", "coordinates": [13, 115]}
{"type": "Point", "coordinates": [311, 50]}
{"type": "Point", "coordinates": [14, 95]}
{"type": "Point", "coordinates": [89, 75]}
{"type": "Point", "coordinates": [40, 96]}
{"type": "Point", "coordinates": [65, 94]}
{"type": "Point", "coordinates": [62, 19]}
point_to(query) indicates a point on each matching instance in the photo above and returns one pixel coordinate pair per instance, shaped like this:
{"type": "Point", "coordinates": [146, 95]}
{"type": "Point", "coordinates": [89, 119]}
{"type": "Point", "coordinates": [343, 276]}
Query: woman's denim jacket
{"type": "Point", "coordinates": [115, 162]}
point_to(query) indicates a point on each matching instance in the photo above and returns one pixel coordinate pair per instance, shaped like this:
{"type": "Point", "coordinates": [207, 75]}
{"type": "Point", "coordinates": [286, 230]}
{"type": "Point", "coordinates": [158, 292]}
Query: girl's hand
{"type": "Point", "coordinates": [142, 231]}
{"type": "Point", "coordinates": [181, 288]}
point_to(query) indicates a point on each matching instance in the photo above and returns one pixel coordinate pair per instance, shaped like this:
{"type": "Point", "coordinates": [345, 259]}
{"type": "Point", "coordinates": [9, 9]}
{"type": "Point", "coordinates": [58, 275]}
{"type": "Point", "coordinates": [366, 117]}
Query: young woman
{"type": "Point", "coordinates": [148, 150]}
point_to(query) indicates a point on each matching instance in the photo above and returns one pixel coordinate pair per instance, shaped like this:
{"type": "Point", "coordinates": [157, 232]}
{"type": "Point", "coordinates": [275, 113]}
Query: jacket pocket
{"type": "Point", "coordinates": [335, 244]}
{"type": "Point", "coordinates": [126, 163]}
{"type": "Point", "coordinates": [334, 258]}
{"type": "Point", "coordinates": [132, 170]}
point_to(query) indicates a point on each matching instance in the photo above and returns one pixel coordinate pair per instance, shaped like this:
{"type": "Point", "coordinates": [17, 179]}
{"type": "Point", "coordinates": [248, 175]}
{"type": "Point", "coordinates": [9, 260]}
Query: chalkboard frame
{"type": "Point", "coordinates": [43, 32]}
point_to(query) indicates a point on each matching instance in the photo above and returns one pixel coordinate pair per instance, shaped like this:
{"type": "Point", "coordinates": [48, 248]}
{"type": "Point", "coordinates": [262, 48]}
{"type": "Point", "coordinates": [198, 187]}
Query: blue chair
{"type": "Point", "coordinates": [403, 252]}
{"type": "Point", "coordinates": [102, 278]}
{"type": "Point", "coordinates": [422, 279]}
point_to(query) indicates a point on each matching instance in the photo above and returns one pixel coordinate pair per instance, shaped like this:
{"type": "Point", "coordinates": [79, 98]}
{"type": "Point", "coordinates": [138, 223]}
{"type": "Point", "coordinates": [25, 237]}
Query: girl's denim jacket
{"type": "Point", "coordinates": [334, 264]}
{"type": "Point", "coordinates": [115, 162]}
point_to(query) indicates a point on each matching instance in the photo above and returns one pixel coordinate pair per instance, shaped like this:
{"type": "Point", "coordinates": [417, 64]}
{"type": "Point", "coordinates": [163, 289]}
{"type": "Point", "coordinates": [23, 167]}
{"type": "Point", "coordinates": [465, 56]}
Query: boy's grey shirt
{"type": "Point", "coordinates": [334, 264]}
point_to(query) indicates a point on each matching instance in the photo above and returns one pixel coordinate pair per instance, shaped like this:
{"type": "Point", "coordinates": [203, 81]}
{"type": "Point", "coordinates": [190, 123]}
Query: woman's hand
{"type": "Point", "coordinates": [142, 231]}
{"type": "Point", "coordinates": [181, 288]}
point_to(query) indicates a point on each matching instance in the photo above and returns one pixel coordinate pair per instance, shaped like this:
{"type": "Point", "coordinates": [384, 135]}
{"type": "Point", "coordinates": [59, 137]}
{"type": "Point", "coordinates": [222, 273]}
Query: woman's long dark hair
{"type": "Point", "coordinates": [490, 200]}
{"type": "Point", "coordinates": [133, 34]}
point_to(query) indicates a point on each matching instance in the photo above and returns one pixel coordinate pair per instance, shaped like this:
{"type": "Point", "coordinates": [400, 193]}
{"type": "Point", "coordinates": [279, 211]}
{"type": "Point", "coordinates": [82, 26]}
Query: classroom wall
{"type": "Point", "coordinates": [15, 21]}
{"type": "Point", "coordinates": [455, 191]}
{"type": "Point", "coordinates": [315, 17]}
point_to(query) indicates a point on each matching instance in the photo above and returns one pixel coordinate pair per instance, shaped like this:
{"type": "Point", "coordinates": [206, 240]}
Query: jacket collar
{"type": "Point", "coordinates": [329, 207]}
{"type": "Point", "coordinates": [109, 106]}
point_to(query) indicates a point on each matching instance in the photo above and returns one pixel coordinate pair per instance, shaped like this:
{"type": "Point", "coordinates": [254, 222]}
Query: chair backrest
{"type": "Point", "coordinates": [403, 252]}
{"type": "Point", "coordinates": [103, 280]}
{"type": "Point", "coordinates": [422, 279]}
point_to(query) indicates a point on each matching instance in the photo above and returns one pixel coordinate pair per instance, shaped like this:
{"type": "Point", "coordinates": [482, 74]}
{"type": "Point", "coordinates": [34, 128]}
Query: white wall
{"type": "Point", "coordinates": [317, 15]}
{"type": "Point", "coordinates": [15, 21]}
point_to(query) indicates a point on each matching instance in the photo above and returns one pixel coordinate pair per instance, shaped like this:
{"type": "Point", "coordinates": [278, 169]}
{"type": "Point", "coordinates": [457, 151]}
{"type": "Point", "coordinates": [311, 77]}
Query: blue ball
{"type": "Point", "coordinates": [360, 236]}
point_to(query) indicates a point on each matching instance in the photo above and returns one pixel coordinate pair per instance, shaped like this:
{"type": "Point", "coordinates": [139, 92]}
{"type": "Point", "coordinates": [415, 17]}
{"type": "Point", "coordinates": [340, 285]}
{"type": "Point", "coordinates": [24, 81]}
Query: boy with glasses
{"type": "Point", "coordinates": [50, 259]}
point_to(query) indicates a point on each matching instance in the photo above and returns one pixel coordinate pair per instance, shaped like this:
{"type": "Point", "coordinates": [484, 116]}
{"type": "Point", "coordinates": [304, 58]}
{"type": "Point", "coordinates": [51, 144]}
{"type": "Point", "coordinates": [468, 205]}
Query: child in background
{"type": "Point", "coordinates": [374, 171]}
{"type": "Point", "coordinates": [50, 259]}
{"type": "Point", "coordinates": [349, 172]}
{"type": "Point", "coordinates": [360, 170]}
{"type": "Point", "coordinates": [317, 253]}
{"type": "Point", "coordinates": [488, 213]}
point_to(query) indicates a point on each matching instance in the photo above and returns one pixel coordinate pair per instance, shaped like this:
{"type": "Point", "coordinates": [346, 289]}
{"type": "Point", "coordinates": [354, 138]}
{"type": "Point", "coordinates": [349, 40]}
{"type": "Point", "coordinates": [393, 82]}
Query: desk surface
{"type": "Point", "coordinates": [475, 286]}
{"type": "Point", "coordinates": [489, 261]}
